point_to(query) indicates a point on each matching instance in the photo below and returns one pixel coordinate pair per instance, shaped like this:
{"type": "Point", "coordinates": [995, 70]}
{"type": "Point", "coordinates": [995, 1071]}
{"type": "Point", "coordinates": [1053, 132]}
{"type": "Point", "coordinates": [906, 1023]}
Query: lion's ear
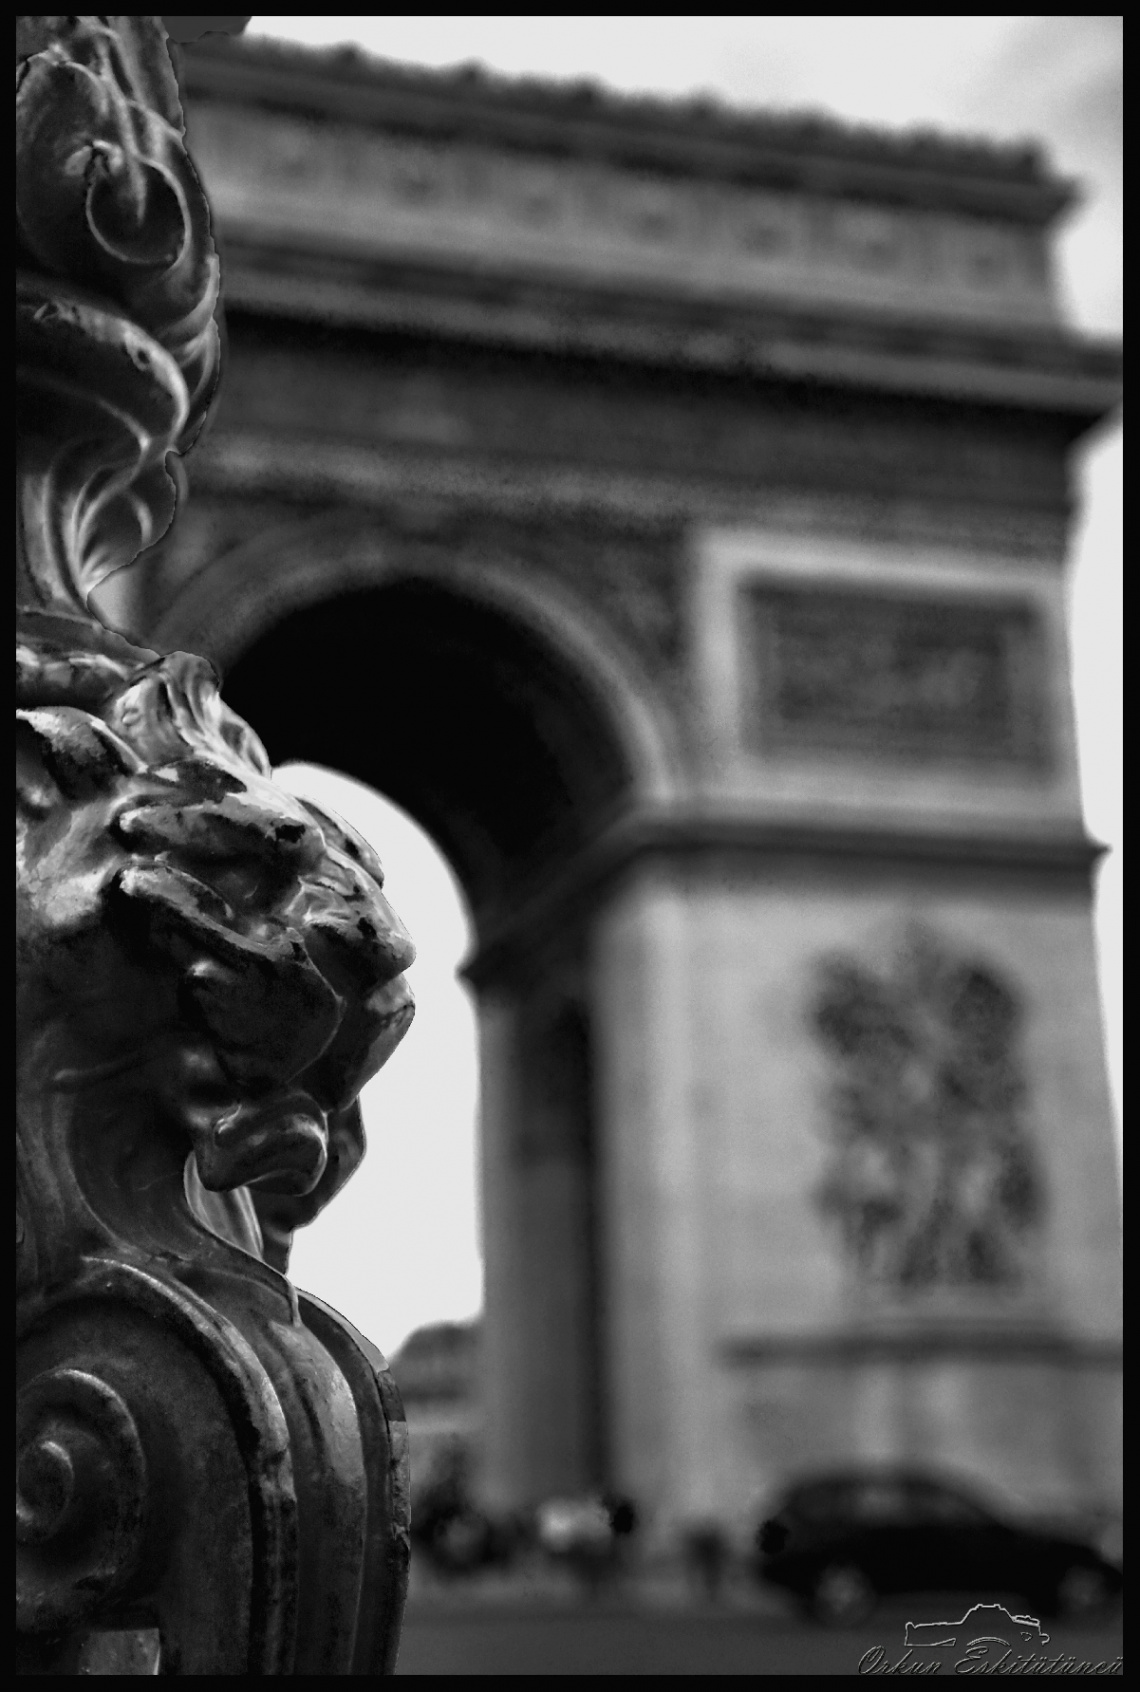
{"type": "Point", "coordinates": [63, 753]}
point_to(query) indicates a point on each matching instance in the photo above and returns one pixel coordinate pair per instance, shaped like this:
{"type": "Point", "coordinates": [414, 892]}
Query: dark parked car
{"type": "Point", "coordinates": [839, 1541]}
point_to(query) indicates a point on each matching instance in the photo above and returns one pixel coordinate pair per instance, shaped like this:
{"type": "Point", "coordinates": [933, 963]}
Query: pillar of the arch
{"type": "Point", "coordinates": [655, 1183]}
{"type": "Point", "coordinates": [540, 1390]}
{"type": "Point", "coordinates": [499, 1412]}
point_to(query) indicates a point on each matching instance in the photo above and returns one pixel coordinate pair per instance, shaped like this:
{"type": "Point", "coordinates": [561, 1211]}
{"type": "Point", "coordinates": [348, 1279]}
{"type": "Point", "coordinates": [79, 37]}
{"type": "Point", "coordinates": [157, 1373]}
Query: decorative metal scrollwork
{"type": "Point", "coordinates": [81, 1497]}
{"type": "Point", "coordinates": [211, 1473]}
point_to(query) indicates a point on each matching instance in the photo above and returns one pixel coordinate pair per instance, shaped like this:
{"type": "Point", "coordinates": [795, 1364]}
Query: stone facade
{"type": "Point", "coordinates": [685, 496]}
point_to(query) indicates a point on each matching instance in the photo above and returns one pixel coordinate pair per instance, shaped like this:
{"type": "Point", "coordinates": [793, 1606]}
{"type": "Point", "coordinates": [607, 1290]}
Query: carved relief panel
{"type": "Point", "coordinates": [890, 677]}
{"type": "Point", "coordinates": [931, 1181]}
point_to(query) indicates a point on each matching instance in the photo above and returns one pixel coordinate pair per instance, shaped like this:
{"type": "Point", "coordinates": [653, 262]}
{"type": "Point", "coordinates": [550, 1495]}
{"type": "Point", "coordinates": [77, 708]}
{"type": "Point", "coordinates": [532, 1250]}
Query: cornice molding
{"type": "Point", "coordinates": [687, 839]}
{"type": "Point", "coordinates": [454, 204]}
{"type": "Point", "coordinates": [688, 137]}
{"type": "Point", "coordinates": [1006, 366]}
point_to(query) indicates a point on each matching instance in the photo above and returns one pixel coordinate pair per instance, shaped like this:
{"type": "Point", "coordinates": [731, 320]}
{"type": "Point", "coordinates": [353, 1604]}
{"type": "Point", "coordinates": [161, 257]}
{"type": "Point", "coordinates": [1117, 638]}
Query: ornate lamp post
{"type": "Point", "coordinates": [211, 1472]}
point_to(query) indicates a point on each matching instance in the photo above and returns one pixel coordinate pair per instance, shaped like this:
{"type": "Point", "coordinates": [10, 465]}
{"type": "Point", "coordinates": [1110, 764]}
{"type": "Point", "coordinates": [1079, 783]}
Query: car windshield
{"type": "Point", "coordinates": [879, 1501]}
{"type": "Point", "coordinates": [929, 1503]}
{"type": "Point", "coordinates": [821, 1503]}
{"type": "Point", "coordinates": [853, 1500]}
{"type": "Point", "coordinates": [885, 1499]}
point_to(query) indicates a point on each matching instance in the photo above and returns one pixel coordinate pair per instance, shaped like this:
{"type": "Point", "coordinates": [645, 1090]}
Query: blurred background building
{"type": "Point", "coordinates": [668, 507]}
{"type": "Point", "coordinates": [438, 1371]}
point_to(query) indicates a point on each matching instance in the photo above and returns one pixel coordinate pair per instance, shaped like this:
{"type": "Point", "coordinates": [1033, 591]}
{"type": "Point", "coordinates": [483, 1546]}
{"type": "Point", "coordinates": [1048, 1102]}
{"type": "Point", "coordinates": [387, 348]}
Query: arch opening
{"type": "Point", "coordinates": [479, 726]}
{"type": "Point", "coordinates": [463, 715]}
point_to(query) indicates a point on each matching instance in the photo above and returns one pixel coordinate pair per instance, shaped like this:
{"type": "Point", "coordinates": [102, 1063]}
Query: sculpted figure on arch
{"type": "Point", "coordinates": [208, 972]}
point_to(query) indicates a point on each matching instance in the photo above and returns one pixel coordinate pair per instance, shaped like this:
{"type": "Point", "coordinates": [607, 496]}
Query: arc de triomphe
{"type": "Point", "coordinates": [675, 504]}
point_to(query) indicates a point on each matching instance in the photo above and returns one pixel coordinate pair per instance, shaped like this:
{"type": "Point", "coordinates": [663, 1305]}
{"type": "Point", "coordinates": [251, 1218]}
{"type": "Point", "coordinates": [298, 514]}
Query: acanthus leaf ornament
{"type": "Point", "coordinates": [208, 972]}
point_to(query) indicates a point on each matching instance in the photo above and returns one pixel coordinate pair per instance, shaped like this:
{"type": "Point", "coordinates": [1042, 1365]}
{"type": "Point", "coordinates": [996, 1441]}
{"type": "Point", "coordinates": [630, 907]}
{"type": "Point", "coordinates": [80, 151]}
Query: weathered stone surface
{"type": "Point", "coordinates": [528, 457]}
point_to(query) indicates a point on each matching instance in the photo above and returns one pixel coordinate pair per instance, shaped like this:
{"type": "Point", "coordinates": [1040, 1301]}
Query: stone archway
{"type": "Point", "coordinates": [477, 719]}
{"type": "Point", "coordinates": [707, 605]}
{"type": "Point", "coordinates": [460, 714]}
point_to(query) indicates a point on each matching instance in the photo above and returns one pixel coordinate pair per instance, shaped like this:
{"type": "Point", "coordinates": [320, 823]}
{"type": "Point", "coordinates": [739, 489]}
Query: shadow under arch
{"type": "Point", "coordinates": [462, 711]}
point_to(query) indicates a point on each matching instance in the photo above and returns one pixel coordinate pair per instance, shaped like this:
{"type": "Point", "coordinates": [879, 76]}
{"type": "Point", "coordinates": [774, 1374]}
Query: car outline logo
{"type": "Point", "coordinates": [946, 1634]}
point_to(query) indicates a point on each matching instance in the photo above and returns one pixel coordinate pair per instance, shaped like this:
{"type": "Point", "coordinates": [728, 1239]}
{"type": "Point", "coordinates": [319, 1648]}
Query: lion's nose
{"type": "Point", "coordinates": [372, 1028]}
{"type": "Point", "coordinates": [397, 943]}
{"type": "Point", "coordinates": [358, 944]}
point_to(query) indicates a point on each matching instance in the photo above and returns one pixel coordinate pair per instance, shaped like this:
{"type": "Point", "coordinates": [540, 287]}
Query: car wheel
{"type": "Point", "coordinates": [842, 1596]}
{"type": "Point", "coordinates": [1082, 1591]}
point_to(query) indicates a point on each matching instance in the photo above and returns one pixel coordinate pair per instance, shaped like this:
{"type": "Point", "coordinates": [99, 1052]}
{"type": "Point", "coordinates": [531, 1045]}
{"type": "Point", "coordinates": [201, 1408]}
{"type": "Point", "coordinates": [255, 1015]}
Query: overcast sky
{"type": "Point", "coordinates": [1054, 80]}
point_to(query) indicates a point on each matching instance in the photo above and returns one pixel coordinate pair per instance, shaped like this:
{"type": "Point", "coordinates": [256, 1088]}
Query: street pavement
{"type": "Point", "coordinates": [485, 1633]}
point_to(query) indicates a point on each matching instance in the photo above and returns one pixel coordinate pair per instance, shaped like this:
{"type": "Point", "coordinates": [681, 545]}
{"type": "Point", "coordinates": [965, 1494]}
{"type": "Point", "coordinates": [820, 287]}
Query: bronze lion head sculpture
{"type": "Point", "coordinates": [191, 936]}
